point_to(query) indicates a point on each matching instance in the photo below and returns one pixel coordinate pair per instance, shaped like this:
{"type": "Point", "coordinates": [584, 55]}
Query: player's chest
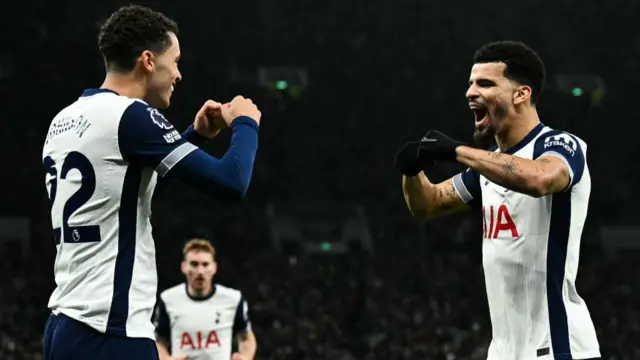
{"type": "Point", "coordinates": [201, 328]}
{"type": "Point", "coordinates": [202, 316]}
{"type": "Point", "coordinates": [504, 212]}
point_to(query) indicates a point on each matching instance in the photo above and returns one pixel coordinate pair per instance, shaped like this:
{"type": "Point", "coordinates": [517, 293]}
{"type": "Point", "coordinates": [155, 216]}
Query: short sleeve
{"type": "Point", "coordinates": [145, 136]}
{"type": "Point", "coordinates": [565, 146]}
{"type": "Point", "coordinates": [241, 322]}
{"type": "Point", "coordinates": [467, 185]}
{"type": "Point", "coordinates": [161, 321]}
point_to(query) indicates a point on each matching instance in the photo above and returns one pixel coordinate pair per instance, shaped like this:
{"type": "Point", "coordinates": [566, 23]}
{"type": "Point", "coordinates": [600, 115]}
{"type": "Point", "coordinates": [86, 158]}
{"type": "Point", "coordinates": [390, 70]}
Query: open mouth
{"type": "Point", "coordinates": [480, 114]}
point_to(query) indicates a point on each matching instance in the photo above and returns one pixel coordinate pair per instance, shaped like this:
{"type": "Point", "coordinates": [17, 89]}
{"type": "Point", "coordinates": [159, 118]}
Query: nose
{"type": "Point", "coordinates": [178, 77]}
{"type": "Point", "coordinates": [472, 93]}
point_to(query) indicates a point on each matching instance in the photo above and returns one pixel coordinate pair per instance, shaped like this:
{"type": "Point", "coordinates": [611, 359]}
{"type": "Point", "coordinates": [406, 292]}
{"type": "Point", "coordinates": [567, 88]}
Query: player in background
{"type": "Point", "coordinates": [533, 190]}
{"type": "Point", "coordinates": [102, 158]}
{"type": "Point", "coordinates": [197, 320]}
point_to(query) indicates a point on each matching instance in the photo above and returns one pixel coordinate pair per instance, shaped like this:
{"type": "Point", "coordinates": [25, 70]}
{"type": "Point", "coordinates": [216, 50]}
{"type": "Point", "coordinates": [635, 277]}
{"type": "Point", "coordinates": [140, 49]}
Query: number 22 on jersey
{"type": "Point", "coordinates": [72, 202]}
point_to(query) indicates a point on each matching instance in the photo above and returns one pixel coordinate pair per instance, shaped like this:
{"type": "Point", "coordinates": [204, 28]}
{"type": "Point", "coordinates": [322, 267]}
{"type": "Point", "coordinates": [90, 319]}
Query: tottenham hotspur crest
{"type": "Point", "coordinates": [159, 119]}
{"type": "Point", "coordinates": [217, 317]}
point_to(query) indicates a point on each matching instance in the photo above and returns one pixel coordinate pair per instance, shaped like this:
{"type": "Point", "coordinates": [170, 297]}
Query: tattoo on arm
{"type": "Point", "coordinates": [510, 167]}
{"type": "Point", "coordinates": [446, 196]}
{"type": "Point", "coordinates": [451, 191]}
{"type": "Point", "coordinates": [443, 201]}
{"type": "Point", "coordinates": [495, 155]}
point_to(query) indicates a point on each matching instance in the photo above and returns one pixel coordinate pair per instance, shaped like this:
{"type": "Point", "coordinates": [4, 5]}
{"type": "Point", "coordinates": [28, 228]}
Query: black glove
{"type": "Point", "coordinates": [438, 146]}
{"type": "Point", "coordinates": [409, 160]}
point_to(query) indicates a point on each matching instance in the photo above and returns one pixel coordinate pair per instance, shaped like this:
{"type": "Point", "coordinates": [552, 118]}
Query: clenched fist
{"type": "Point", "coordinates": [209, 119]}
{"type": "Point", "coordinates": [240, 106]}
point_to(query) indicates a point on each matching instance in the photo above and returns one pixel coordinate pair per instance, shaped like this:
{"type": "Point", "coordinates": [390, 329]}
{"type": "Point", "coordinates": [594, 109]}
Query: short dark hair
{"type": "Point", "coordinates": [523, 64]}
{"type": "Point", "coordinates": [131, 30]}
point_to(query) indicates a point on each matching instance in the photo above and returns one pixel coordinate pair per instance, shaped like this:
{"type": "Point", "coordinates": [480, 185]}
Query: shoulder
{"type": "Point", "coordinates": [228, 292]}
{"type": "Point", "coordinates": [551, 137]}
{"type": "Point", "coordinates": [175, 292]}
{"type": "Point", "coordinates": [141, 113]}
{"type": "Point", "coordinates": [551, 140]}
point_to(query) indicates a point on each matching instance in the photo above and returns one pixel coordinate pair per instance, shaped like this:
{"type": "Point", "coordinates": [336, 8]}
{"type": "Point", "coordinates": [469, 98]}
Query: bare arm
{"type": "Point", "coordinates": [429, 201]}
{"type": "Point", "coordinates": [247, 344]}
{"type": "Point", "coordinates": [540, 177]}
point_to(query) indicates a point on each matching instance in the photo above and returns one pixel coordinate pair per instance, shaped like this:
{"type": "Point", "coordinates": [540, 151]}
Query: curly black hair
{"type": "Point", "coordinates": [523, 65]}
{"type": "Point", "coordinates": [131, 30]}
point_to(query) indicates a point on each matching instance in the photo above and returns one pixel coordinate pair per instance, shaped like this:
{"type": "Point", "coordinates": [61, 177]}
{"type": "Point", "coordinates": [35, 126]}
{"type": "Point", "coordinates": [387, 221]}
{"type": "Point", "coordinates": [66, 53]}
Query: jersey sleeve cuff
{"type": "Point", "coordinates": [461, 189]}
{"type": "Point", "coordinates": [566, 162]}
{"type": "Point", "coordinates": [174, 157]}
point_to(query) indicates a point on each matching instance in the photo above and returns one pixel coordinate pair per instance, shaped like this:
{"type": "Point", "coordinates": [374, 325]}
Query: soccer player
{"type": "Point", "coordinates": [533, 189]}
{"type": "Point", "coordinates": [197, 319]}
{"type": "Point", "coordinates": [102, 157]}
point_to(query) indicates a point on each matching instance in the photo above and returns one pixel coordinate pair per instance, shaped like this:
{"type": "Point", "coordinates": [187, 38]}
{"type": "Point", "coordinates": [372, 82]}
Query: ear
{"type": "Point", "coordinates": [214, 266]}
{"type": "Point", "coordinates": [521, 95]}
{"type": "Point", "coordinates": [184, 267]}
{"type": "Point", "coordinates": [148, 60]}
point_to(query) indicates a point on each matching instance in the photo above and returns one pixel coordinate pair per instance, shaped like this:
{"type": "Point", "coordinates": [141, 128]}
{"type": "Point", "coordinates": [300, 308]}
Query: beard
{"type": "Point", "coordinates": [485, 137]}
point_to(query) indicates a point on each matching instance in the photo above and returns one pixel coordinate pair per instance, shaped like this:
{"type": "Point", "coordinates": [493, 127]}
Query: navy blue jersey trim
{"type": "Point", "coordinates": [527, 139]}
{"type": "Point", "coordinates": [556, 259]}
{"type": "Point", "coordinates": [123, 274]}
{"type": "Point", "coordinates": [200, 298]}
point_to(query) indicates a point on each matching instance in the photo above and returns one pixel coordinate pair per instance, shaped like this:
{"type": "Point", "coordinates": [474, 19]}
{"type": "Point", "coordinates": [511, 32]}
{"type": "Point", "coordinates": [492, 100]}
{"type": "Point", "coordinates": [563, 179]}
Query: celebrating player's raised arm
{"type": "Point", "coordinates": [539, 177]}
{"type": "Point", "coordinates": [148, 139]}
{"type": "Point", "coordinates": [558, 162]}
{"type": "Point", "coordinates": [426, 200]}
{"type": "Point", "coordinates": [429, 201]}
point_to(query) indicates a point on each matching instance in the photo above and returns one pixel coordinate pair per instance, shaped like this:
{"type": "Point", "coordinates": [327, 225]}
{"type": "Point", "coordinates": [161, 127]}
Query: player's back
{"type": "Point", "coordinates": [100, 215]}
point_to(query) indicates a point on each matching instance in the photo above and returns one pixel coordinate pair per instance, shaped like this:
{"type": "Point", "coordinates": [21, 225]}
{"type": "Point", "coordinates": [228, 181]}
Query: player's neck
{"type": "Point", "coordinates": [196, 294]}
{"type": "Point", "coordinates": [125, 84]}
{"type": "Point", "coordinates": [521, 125]}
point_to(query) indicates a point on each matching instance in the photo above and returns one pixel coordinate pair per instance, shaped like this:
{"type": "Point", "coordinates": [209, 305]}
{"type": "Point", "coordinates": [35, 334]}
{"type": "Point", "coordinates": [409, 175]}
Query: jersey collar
{"type": "Point", "coordinates": [527, 139]}
{"type": "Point", "coordinates": [200, 298]}
{"type": "Point", "coordinates": [91, 92]}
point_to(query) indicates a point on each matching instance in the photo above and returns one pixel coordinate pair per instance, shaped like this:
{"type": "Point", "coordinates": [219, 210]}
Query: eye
{"type": "Point", "coordinates": [485, 83]}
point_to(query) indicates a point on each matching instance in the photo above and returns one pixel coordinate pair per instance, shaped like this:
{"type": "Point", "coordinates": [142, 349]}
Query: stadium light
{"type": "Point", "coordinates": [282, 85]}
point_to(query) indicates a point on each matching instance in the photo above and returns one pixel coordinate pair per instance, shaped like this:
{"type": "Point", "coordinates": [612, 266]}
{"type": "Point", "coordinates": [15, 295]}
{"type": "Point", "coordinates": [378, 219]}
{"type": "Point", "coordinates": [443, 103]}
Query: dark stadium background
{"type": "Point", "coordinates": [331, 262]}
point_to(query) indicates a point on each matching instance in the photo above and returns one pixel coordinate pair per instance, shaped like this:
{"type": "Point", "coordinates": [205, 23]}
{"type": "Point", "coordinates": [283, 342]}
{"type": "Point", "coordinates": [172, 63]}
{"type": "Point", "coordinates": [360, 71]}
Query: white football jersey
{"type": "Point", "coordinates": [201, 328]}
{"type": "Point", "coordinates": [101, 157]}
{"type": "Point", "coordinates": [530, 251]}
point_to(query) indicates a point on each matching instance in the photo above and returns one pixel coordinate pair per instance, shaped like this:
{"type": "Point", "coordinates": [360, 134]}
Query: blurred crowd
{"type": "Point", "coordinates": [380, 73]}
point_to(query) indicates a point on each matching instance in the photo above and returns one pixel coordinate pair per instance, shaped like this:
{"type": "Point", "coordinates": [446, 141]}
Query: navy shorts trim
{"type": "Point", "coordinates": [69, 339]}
